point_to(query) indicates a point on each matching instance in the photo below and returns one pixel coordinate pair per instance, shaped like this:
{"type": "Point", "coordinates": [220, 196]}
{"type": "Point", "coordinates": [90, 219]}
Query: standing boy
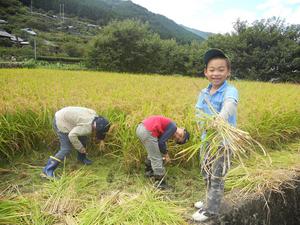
{"type": "Point", "coordinates": [72, 126]}
{"type": "Point", "coordinates": [154, 132]}
{"type": "Point", "coordinates": [223, 97]}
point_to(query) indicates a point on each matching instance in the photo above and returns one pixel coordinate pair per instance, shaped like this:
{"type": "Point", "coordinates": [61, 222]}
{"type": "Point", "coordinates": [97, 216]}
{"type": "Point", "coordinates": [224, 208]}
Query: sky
{"type": "Point", "coordinates": [218, 16]}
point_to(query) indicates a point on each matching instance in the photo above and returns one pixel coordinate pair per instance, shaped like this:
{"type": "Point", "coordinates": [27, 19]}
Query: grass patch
{"type": "Point", "coordinates": [82, 191]}
{"type": "Point", "coordinates": [145, 207]}
{"type": "Point", "coordinates": [259, 178]}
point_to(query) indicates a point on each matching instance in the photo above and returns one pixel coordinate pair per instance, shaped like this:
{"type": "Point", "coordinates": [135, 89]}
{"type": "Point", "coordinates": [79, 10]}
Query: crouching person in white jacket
{"type": "Point", "coordinates": [73, 125]}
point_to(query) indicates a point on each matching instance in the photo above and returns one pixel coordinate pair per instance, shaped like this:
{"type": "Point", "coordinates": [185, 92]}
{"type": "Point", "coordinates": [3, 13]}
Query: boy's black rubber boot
{"type": "Point", "coordinates": [160, 182]}
{"type": "Point", "coordinates": [148, 169]}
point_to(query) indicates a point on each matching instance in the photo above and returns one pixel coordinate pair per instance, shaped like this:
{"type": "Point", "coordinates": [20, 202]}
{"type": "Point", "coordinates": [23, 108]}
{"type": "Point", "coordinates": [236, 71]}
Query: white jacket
{"type": "Point", "coordinates": [76, 121]}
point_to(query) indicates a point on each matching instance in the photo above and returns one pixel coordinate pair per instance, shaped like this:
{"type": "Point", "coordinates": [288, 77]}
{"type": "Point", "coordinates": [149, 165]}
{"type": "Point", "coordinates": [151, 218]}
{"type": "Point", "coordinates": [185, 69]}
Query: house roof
{"type": "Point", "coordinates": [5, 34]}
{"type": "Point", "coordinates": [14, 38]}
{"type": "Point", "coordinates": [29, 31]}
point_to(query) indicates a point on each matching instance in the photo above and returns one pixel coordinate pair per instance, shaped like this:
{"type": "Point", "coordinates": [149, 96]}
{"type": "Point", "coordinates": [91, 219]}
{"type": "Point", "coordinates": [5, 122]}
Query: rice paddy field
{"type": "Point", "coordinates": [113, 190]}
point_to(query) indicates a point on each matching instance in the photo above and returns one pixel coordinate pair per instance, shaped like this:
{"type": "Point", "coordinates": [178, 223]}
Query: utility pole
{"type": "Point", "coordinates": [31, 6]}
{"type": "Point", "coordinates": [34, 43]}
{"type": "Point", "coordinates": [63, 10]}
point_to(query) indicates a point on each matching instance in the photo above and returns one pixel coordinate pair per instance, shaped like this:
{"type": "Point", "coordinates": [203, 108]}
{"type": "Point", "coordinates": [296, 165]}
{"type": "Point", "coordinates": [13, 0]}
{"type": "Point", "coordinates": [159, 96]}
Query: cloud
{"type": "Point", "coordinates": [223, 22]}
{"type": "Point", "coordinates": [204, 15]}
{"type": "Point", "coordinates": [218, 16]}
{"type": "Point", "coordinates": [294, 18]}
{"type": "Point", "coordinates": [179, 11]}
{"type": "Point", "coordinates": [175, 7]}
{"type": "Point", "coordinates": [293, 1]}
{"type": "Point", "coordinates": [285, 9]}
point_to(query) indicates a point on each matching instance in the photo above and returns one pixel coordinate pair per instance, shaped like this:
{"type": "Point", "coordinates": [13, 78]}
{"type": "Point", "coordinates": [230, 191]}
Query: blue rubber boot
{"type": "Point", "coordinates": [83, 159]}
{"type": "Point", "coordinates": [52, 164]}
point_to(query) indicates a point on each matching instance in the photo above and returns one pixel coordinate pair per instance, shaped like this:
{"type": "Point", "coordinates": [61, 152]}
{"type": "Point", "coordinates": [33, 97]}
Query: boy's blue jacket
{"type": "Point", "coordinates": [226, 91]}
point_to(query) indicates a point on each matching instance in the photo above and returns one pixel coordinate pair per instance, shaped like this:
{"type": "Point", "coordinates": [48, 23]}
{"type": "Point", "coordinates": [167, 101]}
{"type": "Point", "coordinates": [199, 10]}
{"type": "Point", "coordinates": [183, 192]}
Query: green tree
{"type": "Point", "coordinates": [125, 46]}
{"type": "Point", "coordinates": [73, 50]}
{"type": "Point", "coordinates": [174, 57]}
{"type": "Point", "coordinates": [195, 52]}
{"type": "Point", "coordinates": [261, 51]}
{"type": "Point", "coordinates": [130, 46]}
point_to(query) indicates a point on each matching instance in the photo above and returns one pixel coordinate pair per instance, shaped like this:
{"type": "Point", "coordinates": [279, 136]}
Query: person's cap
{"type": "Point", "coordinates": [186, 137]}
{"type": "Point", "coordinates": [102, 127]}
{"type": "Point", "coordinates": [213, 53]}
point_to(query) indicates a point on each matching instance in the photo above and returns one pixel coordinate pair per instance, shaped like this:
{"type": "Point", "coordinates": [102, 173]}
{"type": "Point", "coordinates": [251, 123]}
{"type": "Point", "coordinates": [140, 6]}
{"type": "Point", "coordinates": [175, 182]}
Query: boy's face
{"type": "Point", "coordinates": [179, 135]}
{"type": "Point", "coordinates": [217, 72]}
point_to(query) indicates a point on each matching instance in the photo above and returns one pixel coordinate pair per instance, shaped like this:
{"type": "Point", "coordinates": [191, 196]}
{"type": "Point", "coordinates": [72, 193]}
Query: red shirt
{"type": "Point", "coordinates": [156, 125]}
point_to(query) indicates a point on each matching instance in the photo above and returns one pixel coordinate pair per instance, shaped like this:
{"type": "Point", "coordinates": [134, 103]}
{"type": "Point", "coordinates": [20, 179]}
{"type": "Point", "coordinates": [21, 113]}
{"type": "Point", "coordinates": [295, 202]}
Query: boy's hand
{"type": "Point", "coordinates": [83, 150]}
{"type": "Point", "coordinates": [101, 145]}
{"type": "Point", "coordinates": [216, 122]}
{"type": "Point", "coordinates": [166, 158]}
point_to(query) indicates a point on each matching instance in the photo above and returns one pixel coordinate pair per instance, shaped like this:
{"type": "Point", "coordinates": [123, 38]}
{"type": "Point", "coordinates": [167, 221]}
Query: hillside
{"type": "Point", "coordinates": [55, 36]}
{"type": "Point", "coordinates": [102, 12]}
{"type": "Point", "coordinates": [200, 33]}
{"type": "Point", "coordinates": [58, 26]}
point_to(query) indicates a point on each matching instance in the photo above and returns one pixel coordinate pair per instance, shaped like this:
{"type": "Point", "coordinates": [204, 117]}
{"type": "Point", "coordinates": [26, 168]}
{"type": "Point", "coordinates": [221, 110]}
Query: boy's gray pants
{"type": "Point", "coordinates": [151, 145]}
{"type": "Point", "coordinates": [215, 184]}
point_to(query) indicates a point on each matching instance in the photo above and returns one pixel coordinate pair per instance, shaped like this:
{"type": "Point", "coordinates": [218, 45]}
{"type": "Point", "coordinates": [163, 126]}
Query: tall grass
{"type": "Point", "coordinates": [23, 131]}
{"type": "Point", "coordinates": [29, 98]}
{"type": "Point", "coordinates": [122, 140]}
{"type": "Point", "coordinates": [275, 127]}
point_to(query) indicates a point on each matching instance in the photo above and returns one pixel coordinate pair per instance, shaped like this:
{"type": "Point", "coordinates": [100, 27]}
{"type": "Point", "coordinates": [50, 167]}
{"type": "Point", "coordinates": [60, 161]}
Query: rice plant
{"type": "Point", "coordinates": [12, 212]}
{"type": "Point", "coordinates": [19, 210]}
{"type": "Point", "coordinates": [21, 132]}
{"type": "Point", "coordinates": [30, 97]}
{"type": "Point", "coordinates": [127, 99]}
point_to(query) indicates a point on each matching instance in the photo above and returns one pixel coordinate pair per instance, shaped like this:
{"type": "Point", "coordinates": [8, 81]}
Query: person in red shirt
{"type": "Point", "coordinates": [154, 132]}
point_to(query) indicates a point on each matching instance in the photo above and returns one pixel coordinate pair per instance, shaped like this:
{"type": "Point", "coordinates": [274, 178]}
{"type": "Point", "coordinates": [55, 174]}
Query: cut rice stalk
{"type": "Point", "coordinates": [221, 142]}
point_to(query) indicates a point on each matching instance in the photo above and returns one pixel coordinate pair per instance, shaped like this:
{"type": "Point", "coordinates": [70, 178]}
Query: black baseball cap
{"type": "Point", "coordinates": [102, 127]}
{"type": "Point", "coordinates": [185, 139]}
{"type": "Point", "coordinates": [213, 53]}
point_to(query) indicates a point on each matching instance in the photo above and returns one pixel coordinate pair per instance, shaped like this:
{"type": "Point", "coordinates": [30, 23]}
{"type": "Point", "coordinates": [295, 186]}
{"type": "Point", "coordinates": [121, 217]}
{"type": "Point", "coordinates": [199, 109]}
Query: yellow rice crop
{"type": "Point", "coordinates": [269, 112]}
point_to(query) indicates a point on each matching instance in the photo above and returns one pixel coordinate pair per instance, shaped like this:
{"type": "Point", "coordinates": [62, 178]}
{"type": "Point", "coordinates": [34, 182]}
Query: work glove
{"type": "Point", "coordinates": [83, 150]}
{"type": "Point", "coordinates": [166, 158]}
{"type": "Point", "coordinates": [101, 145]}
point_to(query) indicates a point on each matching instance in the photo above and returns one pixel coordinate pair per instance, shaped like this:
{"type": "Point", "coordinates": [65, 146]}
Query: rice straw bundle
{"type": "Point", "coordinates": [220, 140]}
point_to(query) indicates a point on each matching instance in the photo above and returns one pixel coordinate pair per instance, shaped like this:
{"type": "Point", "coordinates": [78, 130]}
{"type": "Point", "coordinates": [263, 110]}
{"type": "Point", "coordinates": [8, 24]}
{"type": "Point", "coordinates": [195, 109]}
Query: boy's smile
{"type": "Point", "coordinates": [217, 72]}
